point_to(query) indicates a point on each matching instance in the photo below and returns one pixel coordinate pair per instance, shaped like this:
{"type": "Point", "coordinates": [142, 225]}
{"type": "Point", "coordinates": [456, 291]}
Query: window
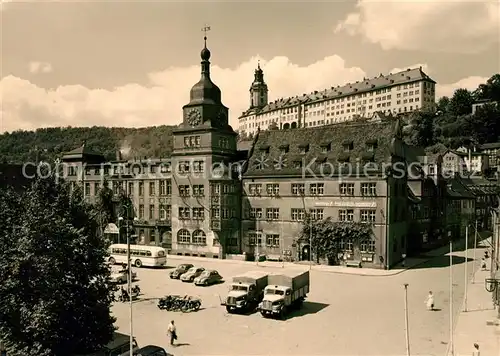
{"type": "Point", "coordinates": [224, 142]}
{"type": "Point", "coordinates": [97, 186]}
{"type": "Point", "coordinates": [165, 212]}
{"type": "Point", "coordinates": [298, 214]}
{"type": "Point", "coordinates": [432, 169]}
{"type": "Point", "coordinates": [152, 189]}
{"type": "Point", "coordinates": [165, 167]}
{"type": "Point", "coordinates": [367, 215]}
{"type": "Point", "coordinates": [184, 213]}
{"type": "Point", "coordinates": [225, 188]}
{"type": "Point", "coordinates": [254, 238]}
{"type": "Point", "coordinates": [199, 237]}
{"type": "Point", "coordinates": [184, 190]}
{"type": "Point", "coordinates": [273, 240]}
{"type": "Point", "coordinates": [273, 189]}
{"type": "Point", "coordinates": [346, 215]}
{"type": "Point", "coordinates": [297, 164]}
{"type": "Point", "coordinates": [87, 188]}
{"type": "Point", "coordinates": [215, 188]}
{"type": "Point", "coordinates": [72, 170]}
{"type": "Point", "coordinates": [255, 189]}
{"type": "Point", "coordinates": [303, 149]}
{"type": "Point", "coordinates": [298, 188]}
{"type": "Point", "coordinates": [116, 187]}
{"type": "Point", "coordinates": [368, 189]}
{"type": "Point", "coordinates": [165, 187]}
{"type": "Point", "coordinates": [184, 166]}
{"type": "Point", "coordinates": [326, 148]}
{"type": "Point", "coordinates": [215, 213]}
{"type": "Point", "coordinates": [141, 189]}
{"type": "Point", "coordinates": [284, 149]}
{"type": "Point", "coordinates": [141, 211]}
{"type": "Point", "coordinates": [199, 166]}
{"type": "Point", "coordinates": [316, 214]}
{"type": "Point", "coordinates": [316, 189]}
{"type": "Point", "coordinates": [256, 213]}
{"type": "Point", "coordinates": [130, 189]}
{"type": "Point", "coordinates": [151, 212]}
{"type": "Point", "coordinates": [198, 213]}
{"type": "Point", "coordinates": [367, 246]}
{"type": "Point", "coordinates": [272, 213]}
{"type": "Point", "coordinates": [347, 188]}
{"type": "Point", "coordinates": [183, 236]}
{"type": "Point", "coordinates": [198, 190]}
{"type": "Point", "coordinates": [192, 141]}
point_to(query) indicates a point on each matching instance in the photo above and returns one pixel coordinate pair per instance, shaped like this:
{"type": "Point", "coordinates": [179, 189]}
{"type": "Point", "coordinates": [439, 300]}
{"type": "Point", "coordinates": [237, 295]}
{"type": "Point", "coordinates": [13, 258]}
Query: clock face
{"type": "Point", "coordinates": [194, 117]}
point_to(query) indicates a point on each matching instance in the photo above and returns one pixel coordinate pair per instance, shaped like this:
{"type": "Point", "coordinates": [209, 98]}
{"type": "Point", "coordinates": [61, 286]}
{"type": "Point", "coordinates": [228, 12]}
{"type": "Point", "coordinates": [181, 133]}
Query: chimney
{"type": "Point", "coordinates": [118, 155]}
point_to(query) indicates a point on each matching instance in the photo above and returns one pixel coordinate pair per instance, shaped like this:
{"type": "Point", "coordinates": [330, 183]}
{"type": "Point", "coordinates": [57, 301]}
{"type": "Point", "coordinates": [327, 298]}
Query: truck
{"type": "Point", "coordinates": [284, 292]}
{"type": "Point", "coordinates": [246, 292]}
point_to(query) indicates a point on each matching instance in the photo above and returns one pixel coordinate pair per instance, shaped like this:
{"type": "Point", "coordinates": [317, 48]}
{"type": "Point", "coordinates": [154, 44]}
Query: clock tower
{"type": "Point", "coordinates": [206, 206]}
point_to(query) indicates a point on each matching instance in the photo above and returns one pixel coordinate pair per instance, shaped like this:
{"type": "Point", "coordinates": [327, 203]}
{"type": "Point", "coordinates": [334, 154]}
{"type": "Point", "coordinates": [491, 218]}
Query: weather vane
{"type": "Point", "coordinates": [205, 29]}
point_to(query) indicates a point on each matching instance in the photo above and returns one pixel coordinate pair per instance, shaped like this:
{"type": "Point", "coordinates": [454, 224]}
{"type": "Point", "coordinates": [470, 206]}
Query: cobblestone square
{"type": "Point", "coordinates": [343, 314]}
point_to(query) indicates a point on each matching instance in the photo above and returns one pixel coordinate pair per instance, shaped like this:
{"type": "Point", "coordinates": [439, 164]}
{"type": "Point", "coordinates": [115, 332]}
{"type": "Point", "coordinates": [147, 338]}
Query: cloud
{"type": "Point", "coordinates": [458, 26]}
{"type": "Point", "coordinates": [470, 83]}
{"type": "Point", "coordinates": [40, 67]}
{"type": "Point", "coordinates": [27, 106]}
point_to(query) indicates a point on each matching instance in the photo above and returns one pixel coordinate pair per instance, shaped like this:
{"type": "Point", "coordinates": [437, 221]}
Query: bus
{"type": "Point", "coordinates": [140, 255]}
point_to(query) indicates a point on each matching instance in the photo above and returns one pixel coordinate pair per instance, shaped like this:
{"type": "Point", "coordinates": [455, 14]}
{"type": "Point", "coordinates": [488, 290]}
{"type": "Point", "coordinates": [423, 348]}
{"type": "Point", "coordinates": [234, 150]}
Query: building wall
{"type": "Point", "coordinates": [401, 98]}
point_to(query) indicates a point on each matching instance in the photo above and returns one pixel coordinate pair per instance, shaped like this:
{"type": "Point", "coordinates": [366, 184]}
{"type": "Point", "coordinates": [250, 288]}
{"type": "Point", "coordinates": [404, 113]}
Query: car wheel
{"type": "Point", "coordinates": [112, 260]}
{"type": "Point", "coordinates": [138, 263]}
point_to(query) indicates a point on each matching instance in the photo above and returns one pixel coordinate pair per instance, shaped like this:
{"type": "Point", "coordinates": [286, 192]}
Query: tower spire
{"type": "Point", "coordinates": [205, 29]}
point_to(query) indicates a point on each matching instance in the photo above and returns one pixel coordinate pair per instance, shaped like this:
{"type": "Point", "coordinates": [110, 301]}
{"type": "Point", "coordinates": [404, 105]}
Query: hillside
{"type": "Point", "coordinates": [22, 146]}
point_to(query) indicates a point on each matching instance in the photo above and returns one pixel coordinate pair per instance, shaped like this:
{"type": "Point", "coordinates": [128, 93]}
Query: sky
{"type": "Point", "coordinates": [132, 63]}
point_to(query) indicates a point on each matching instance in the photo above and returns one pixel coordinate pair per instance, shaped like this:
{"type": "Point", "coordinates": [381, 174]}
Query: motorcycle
{"type": "Point", "coordinates": [177, 303]}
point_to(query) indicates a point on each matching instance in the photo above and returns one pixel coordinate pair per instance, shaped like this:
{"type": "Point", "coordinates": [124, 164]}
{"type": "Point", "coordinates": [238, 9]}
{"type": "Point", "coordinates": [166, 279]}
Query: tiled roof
{"type": "Point", "coordinates": [366, 85]}
{"type": "Point", "coordinates": [83, 150]}
{"type": "Point", "coordinates": [268, 157]}
{"type": "Point", "coordinates": [457, 188]}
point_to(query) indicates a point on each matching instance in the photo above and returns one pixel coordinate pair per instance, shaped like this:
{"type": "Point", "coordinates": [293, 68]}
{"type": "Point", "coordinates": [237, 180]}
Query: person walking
{"type": "Point", "coordinates": [172, 332]}
{"type": "Point", "coordinates": [483, 264]}
{"type": "Point", "coordinates": [429, 302]}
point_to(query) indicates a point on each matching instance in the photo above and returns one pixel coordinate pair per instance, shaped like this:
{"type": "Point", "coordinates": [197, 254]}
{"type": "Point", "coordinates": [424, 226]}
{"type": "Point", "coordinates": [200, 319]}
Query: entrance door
{"type": "Point", "coordinates": [306, 253]}
{"type": "Point", "coordinates": [166, 240]}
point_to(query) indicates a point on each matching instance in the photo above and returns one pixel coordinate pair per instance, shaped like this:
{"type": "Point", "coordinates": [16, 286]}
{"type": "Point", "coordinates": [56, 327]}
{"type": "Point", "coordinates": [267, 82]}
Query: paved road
{"type": "Point", "coordinates": [344, 315]}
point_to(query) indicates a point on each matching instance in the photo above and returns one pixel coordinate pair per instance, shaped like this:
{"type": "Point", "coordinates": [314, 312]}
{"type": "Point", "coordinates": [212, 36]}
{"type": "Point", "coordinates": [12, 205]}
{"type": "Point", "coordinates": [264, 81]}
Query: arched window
{"type": "Point", "coordinates": [183, 236]}
{"type": "Point", "coordinates": [286, 126]}
{"type": "Point", "coordinates": [294, 125]}
{"type": "Point", "coordinates": [199, 237]}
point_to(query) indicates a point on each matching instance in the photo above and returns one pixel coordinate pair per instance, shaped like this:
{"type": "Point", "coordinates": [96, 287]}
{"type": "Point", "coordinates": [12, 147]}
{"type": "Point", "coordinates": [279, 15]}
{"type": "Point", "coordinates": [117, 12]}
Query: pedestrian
{"type": "Point", "coordinates": [483, 264]}
{"type": "Point", "coordinates": [486, 254]}
{"type": "Point", "coordinates": [476, 350]}
{"type": "Point", "coordinates": [172, 332]}
{"type": "Point", "coordinates": [429, 302]}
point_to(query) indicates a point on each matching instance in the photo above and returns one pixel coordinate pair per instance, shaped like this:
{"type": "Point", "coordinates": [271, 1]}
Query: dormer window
{"type": "Point", "coordinates": [348, 146]}
{"type": "Point", "coordinates": [284, 149]}
{"type": "Point", "coordinates": [325, 148]}
{"type": "Point", "coordinates": [432, 169]}
{"type": "Point", "coordinates": [265, 149]}
{"type": "Point", "coordinates": [371, 145]}
{"type": "Point", "coordinates": [297, 164]}
{"type": "Point", "coordinates": [303, 149]}
{"type": "Point", "coordinates": [344, 158]}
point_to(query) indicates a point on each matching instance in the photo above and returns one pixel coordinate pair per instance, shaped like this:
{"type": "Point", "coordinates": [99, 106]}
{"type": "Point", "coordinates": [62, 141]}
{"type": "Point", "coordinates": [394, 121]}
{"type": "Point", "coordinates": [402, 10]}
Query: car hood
{"type": "Point", "coordinates": [201, 278]}
{"type": "Point", "coordinates": [236, 293]}
{"type": "Point", "coordinates": [187, 275]}
{"type": "Point", "coordinates": [273, 297]}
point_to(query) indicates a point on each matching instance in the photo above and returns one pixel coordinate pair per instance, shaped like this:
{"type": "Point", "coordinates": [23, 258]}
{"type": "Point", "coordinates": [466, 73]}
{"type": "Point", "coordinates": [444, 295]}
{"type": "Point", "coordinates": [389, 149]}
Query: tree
{"type": "Point", "coordinates": [54, 284]}
{"type": "Point", "coordinates": [489, 90]}
{"type": "Point", "coordinates": [327, 233]}
{"type": "Point", "coordinates": [443, 104]}
{"type": "Point", "coordinates": [461, 102]}
{"type": "Point", "coordinates": [421, 131]}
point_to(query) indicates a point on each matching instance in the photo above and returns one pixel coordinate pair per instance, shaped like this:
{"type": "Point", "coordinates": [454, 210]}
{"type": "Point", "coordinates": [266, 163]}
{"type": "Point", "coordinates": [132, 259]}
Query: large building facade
{"type": "Point", "coordinates": [394, 94]}
{"type": "Point", "coordinates": [211, 199]}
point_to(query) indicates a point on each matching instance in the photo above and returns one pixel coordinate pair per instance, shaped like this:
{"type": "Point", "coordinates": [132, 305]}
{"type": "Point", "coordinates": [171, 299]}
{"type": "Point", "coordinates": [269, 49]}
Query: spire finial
{"type": "Point", "coordinates": [258, 63]}
{"type": "Point", "coordinates": [205, 29]}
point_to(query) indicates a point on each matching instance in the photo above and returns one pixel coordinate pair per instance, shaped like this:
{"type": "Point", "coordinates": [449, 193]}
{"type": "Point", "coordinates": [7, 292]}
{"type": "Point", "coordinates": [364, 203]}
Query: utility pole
{"type": "Point", "coordinates": [310, 242]}
{"type": "Point", "coordinates": [466, 263]}
{"type": "Point", "coordinates": [451, 298]}
{"type": "Point", "coordinates": [474, 255]}
{"type": "Point", "coordinates": [407, 324]}
{"type": "Point", "coordinates": [129, 279]}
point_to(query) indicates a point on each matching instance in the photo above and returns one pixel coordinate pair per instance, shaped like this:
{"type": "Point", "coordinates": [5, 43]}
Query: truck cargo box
{"type": "Point", "coordinates": [291, 279]}
{"type": "Point", "coordinates": [254, 277]}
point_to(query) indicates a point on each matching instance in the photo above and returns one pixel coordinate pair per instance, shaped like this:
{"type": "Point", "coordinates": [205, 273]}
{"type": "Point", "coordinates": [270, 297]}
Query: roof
{"type": "Point", "coordinates": [366, 85]}
{"type": "Point", "coordinates": [80, 152]}
{"type": "Point", "coordinates": [244, 145]}
{"type": "Point", "coordinates": [322, 144]}
{"type": "Point", "coordinates": [488, 146]}
{"type": "Point", "coordinates": [456, 188]}
{"type": "Point", "coordinates": [479, 185]}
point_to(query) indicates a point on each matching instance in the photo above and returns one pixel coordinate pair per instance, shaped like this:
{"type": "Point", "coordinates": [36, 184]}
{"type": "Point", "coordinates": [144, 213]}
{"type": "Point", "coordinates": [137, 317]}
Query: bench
{"type": "Point", "coordinates": [356, 264]}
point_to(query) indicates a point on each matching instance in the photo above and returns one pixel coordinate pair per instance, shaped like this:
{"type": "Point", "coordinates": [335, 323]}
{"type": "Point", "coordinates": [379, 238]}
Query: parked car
{"type": "Point", "coordinates": [121, 276]}
{"type": "Point", "coordinates": [150, 350]}
{"type": "Point", "coordinates": [180, 270]}
{"type": "Point", "coordinates": [207, 278]}
{"type": "Point", "coordinates": [190, 275]}
{"type": "Point", "coordinates": [118, 346]}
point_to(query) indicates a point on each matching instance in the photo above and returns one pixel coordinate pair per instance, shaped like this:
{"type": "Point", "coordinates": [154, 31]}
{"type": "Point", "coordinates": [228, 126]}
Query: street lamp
{"type": "Point", "coordinates": [407, 324]}
{"type": "Point", "coordinates": [491, 284]}
{"type": "Point", "coordinates": [129, 284]}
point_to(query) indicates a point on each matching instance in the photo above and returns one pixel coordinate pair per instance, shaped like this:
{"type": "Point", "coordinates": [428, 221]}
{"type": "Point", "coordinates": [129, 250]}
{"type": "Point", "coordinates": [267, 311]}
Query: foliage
{"type": "Point", "coordinates": [323, 235]}
{"type": "Point", "coordinates": [454, 125]}
{"type": "Point", "coordinates": [54, 286]}
{"type": "Point", "coordinates": [49, 143]}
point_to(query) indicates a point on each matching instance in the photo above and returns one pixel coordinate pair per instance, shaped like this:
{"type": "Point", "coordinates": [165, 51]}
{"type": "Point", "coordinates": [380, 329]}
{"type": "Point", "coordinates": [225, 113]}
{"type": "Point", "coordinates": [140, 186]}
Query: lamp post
{"type": "Point", "coordinates": [466, 263]}
{"type": "Point", "coordinates": [407, 324]}
{"type": "Point", "coordinates": [129, 284]}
